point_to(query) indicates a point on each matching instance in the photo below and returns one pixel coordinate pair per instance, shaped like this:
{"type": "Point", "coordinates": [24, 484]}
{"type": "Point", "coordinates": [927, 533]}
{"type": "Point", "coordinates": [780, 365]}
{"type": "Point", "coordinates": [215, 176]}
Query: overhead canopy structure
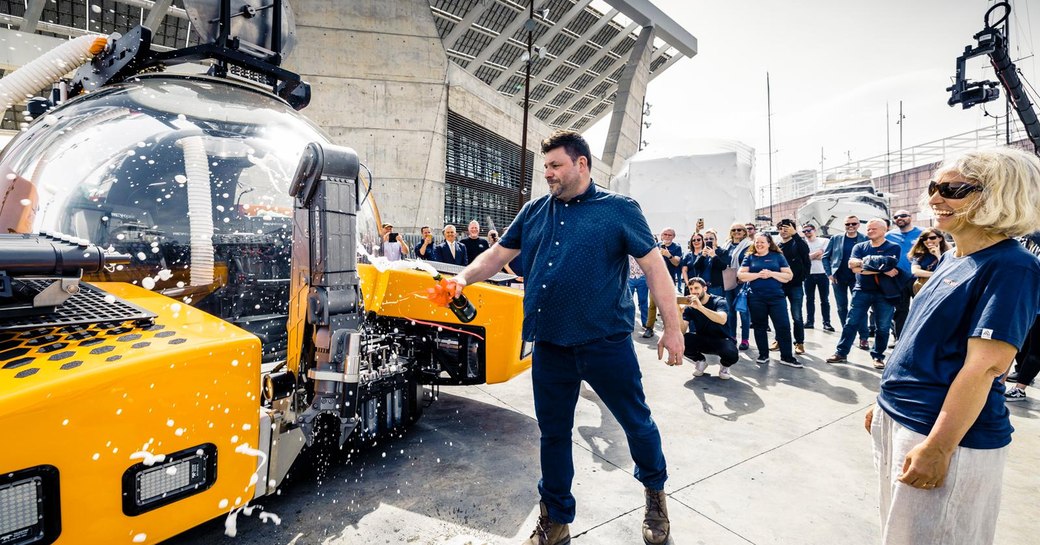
{"type": "Point", "coordinates": [582, 47]}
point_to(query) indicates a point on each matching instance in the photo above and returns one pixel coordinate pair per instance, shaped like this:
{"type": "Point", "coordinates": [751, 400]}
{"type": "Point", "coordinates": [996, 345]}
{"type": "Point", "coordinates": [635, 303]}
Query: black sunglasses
{"type": "Point", "coordinates": [952, 190]}
{"type": "Point", "coordinates": [737, 230]}
{"type": "Point", "coordinates": [852, 224]}
{"type": "Point", "coordinates": [897, 216]}
{"type": "Point", "coordinates": [807, 230]}
{"type": "Point", "coordinates": [932, 237]}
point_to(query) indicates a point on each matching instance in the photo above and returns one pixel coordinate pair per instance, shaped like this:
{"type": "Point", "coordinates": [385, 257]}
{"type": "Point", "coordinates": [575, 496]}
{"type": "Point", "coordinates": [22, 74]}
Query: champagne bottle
{"type": "Point", "coordinates": [460, 306]}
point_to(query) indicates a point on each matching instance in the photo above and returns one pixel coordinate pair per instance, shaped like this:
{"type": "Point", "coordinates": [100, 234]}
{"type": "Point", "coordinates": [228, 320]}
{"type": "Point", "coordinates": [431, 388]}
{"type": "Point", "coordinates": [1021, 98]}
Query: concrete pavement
{"type": "Point", "coordinates": [774, 456]}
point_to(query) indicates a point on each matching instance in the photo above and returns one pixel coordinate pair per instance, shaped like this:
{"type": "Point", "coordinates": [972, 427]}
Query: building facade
{"type": "Point", "coordinates": [431, 93]}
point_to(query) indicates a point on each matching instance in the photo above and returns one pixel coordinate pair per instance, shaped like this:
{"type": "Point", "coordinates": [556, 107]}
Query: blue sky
{"type": "Point", "coordinates": [833, 65]}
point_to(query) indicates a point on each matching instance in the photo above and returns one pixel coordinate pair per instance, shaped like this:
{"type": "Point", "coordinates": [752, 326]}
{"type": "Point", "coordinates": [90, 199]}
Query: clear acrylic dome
{"type": "Point", "coordinates": [189, 175]}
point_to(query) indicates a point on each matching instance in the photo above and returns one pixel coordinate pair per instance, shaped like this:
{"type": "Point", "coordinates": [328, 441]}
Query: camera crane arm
{"type": "Point", "coordinates": [992, 42]}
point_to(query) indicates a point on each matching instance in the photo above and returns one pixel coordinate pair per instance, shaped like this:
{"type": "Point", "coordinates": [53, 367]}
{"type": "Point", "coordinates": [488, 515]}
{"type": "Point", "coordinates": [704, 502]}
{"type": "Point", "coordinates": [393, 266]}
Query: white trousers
{"type": "Point", "coordinates": [961, 512]}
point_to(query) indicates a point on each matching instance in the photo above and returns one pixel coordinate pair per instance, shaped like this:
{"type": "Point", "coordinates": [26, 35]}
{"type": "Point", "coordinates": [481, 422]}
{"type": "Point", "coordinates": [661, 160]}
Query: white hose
{"type": "Point", "coordinates": [48, 68]}
{"type": "Point", "coordinates": [200, 210]}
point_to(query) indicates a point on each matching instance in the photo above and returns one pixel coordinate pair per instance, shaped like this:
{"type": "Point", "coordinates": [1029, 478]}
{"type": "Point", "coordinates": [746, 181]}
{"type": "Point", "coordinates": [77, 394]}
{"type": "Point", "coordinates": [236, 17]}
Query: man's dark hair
{"type": "Point", "coordinates": [787, 222]}
{"type": "Point", "coordinates": [697, 280]}
{"type": "Point", "coordinates": [425, 227]}
{"type": "Point", "coordinates": [572, 143]}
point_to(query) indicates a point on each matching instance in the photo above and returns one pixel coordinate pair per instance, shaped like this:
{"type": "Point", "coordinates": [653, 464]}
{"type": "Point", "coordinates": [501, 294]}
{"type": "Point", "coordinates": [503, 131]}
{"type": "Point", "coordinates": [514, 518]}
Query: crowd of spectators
{"type": "Point", "coordinates": [769, 283]}
{"type": "Point", "coordinates": [783, 283]}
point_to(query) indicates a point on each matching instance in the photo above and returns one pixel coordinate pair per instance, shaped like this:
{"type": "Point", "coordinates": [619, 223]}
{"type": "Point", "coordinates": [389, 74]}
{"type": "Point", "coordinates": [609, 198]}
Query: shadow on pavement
{"type": "Point", "coordinates": [739, 397]}
{"type": "Point", "coordinates": [465, 462]}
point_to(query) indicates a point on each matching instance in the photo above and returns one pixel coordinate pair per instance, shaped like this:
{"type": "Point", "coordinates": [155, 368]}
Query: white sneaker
{"type": "Point", "coordinates": [699, 367]}
{"type": "Point", "coordinates": [724, 373]}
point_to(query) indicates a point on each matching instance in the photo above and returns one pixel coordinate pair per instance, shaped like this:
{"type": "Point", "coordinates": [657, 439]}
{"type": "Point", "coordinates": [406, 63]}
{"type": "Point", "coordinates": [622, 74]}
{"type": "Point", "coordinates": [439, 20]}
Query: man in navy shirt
{"type": "Point", "coordinates": [578, 310]}
{"type": "Point", "coordinates": [905, 234]}
{"type": "Point", "coordinates": [706, 315]}
{"type": "Point", "coordinates": [836, 265]}
{"type": "Point", "coordinates": [424, 249]}
{"type": "Point", "coordinates": [875, 263]}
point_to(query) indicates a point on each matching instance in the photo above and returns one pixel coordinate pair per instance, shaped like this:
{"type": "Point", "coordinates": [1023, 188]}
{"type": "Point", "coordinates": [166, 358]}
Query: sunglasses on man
{"type": "Point", "coordinates": [952, 190]}
{"type": "Point", "coordinates": [852, 224]}
{"type": "Point", "coordinates": [900, 216]}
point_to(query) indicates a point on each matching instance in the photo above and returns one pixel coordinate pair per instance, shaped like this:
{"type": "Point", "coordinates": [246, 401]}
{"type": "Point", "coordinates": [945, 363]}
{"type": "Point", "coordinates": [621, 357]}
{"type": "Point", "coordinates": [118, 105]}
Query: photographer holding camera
{"type": "Point", "coordinates": [394, 246]}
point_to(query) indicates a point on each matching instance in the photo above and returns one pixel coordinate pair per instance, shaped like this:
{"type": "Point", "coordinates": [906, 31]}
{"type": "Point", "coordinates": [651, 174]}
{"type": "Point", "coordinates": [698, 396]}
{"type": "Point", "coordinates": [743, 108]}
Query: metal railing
{"type": "Point", "coordinates": [921, 154]}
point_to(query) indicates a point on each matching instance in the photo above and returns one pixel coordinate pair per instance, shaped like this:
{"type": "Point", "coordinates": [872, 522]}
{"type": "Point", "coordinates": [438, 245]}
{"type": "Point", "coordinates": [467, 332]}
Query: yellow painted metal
{"type": "Point", "coordinates": [402, 293]}
{"type": "Point", "coordinates": [189, 380]}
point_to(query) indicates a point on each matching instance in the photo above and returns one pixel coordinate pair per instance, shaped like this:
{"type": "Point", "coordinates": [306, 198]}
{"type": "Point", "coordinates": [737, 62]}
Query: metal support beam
{"type": "Point", "coordinates": [460, 28]}
{"type": "Point", "coordinates": [32, 15]}
{"type": "Point", "coordinates": [647, 14]}
{"type": "Point", "coordinates": [495, 44]}
{"type": "Point", "coordinates": [157, 14]}
{"type": "Point", "coordinates": [548, 37]}
{"type": "Point", "coordinates": [592, 105]}
{"type": "Point", "coordinates": [626, 119]}
{"type": "Point", "coordinates": [566, 54]}
{"type": "Point", "coordinates": [549, 97]}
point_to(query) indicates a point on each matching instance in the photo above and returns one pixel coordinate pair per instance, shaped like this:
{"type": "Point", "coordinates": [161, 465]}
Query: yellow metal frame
{"type": "Point", "coordinates": [402, 294]}
{"type": "Point", "coordinates": [191, 379]}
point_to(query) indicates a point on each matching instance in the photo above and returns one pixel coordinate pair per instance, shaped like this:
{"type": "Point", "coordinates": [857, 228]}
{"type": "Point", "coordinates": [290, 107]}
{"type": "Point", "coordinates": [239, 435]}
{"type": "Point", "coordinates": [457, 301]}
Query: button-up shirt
{"type": "Point", "coordinates": [575, 256]}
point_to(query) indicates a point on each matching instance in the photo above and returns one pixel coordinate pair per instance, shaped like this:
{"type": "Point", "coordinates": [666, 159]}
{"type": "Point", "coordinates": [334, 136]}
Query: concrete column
{"type": "Point", "coordinates": [377, 71]}
{"type": "Point", "coordinates": [623, 136]}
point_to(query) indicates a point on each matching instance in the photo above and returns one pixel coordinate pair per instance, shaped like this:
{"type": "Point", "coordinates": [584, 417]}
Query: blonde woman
{"type": "Point", "coordinates": [736, 246]}
{"type": "Point", "coordinates": [940, 429]}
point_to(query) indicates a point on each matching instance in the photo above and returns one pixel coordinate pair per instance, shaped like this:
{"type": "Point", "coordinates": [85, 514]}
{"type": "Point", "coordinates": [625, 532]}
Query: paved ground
{"type": "Point", "coordinates": [776, 455]}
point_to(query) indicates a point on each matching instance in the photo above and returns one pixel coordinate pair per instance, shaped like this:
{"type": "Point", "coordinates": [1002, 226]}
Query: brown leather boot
{"type": "Point", "coordinates": [655, 521]}
{"type": "Point", "coordinates": [548, 532]}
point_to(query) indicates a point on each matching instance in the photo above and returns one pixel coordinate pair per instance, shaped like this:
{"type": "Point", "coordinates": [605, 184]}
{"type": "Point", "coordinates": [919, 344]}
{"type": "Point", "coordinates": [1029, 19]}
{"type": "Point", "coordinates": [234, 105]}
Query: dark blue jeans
{"type": "Point", "coordinates": [841, 299]}
{"type": "Point", "coordinates": [795, 295]}
{"type": "Point", "coordinates": [817, 282]}
{"type": "Point", "coordinates": [883, 310]}
{"type": "Point", "coordinates": [609, 366]}
{"type": "Point", "coordinates": [770, 307]}
{"type": "Point", "coordinates": [638, 285]}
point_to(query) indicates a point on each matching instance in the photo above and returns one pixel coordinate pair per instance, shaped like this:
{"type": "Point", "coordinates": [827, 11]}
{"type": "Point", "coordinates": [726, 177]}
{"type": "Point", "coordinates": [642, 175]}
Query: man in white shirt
{"type": "Point", "coordinates": [817, 280]}
{"type": "Point", "coordinates": [394, 246]}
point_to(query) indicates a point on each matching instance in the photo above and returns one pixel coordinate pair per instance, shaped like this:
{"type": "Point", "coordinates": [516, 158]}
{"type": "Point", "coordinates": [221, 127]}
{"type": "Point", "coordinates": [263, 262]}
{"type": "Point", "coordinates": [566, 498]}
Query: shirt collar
{"type": "Point", "coordinates": [588, 194]}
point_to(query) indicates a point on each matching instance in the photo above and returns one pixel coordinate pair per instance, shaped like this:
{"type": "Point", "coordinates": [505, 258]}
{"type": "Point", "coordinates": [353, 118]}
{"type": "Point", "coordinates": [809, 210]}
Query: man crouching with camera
{"type": "Point", "coordinates": [705, 315]}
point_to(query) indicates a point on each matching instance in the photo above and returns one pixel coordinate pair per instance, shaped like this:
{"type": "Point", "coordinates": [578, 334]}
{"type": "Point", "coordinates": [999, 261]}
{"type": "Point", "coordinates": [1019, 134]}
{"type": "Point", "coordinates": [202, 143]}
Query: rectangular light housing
{"type": "Point", "coordinates": [30, 507]}
{"type": "Point", "coordinates": [181, 474]}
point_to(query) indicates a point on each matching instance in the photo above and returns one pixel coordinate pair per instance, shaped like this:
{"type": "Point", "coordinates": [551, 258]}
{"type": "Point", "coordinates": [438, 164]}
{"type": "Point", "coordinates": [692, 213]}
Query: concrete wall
{"type": "Point", "coordinates": [377, 70]}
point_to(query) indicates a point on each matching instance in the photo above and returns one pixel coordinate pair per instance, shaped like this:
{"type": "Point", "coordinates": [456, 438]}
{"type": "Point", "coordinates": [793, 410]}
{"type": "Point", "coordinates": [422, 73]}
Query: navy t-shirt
{"type": "Point", "coordinates": [869, 282]}
{"type": "Point", "coordinates": [771, 261]}
{"type": "Point", "coordinates": [702, 325]}
{"type": "Point", "coordinates": [675, 271]}
{"type": "Point", "coordinates": [575, 256]}
{"type": "Point", "coordinates": [992, 294]}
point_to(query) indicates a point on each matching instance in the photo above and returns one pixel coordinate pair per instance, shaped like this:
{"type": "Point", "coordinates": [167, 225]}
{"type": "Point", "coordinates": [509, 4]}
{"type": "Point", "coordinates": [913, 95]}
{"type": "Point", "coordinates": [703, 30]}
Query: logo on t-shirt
{"type": "Point", "coordinates": [949, 281]}
{"type": "Point", "coordinates": [987, 333]}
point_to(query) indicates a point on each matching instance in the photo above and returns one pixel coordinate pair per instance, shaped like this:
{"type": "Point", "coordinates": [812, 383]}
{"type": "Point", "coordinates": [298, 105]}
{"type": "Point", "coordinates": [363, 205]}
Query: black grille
{"type": "Point", "coordinates": [86, 307]}
{"type": "Point", "coordinates": [482, 175]}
